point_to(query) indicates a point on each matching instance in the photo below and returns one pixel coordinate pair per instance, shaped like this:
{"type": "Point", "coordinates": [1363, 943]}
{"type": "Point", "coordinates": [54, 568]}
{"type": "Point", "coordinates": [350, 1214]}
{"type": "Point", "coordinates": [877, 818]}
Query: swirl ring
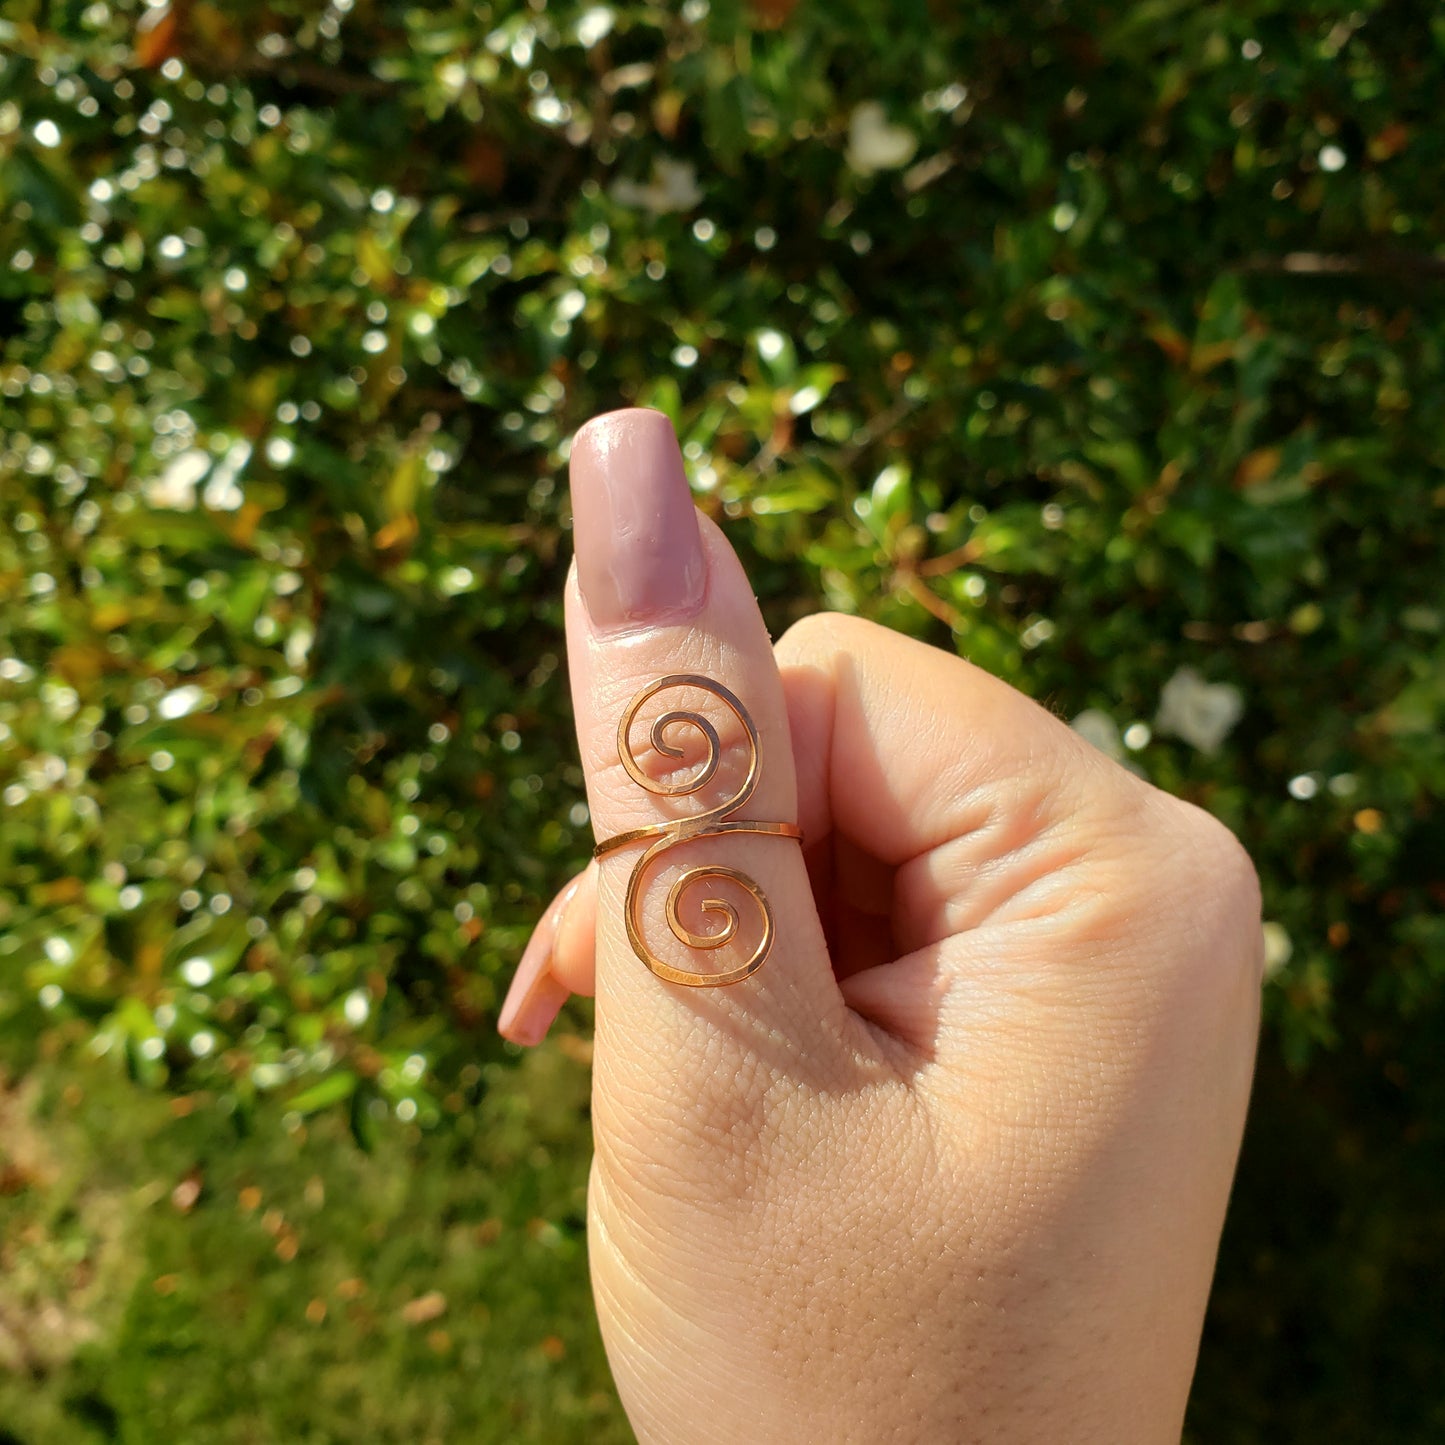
{"type": "Point", "coordinates": [710, 822]}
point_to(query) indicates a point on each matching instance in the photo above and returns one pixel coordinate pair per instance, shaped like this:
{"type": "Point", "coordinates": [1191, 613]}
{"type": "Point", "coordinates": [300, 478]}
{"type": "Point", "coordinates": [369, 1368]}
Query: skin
{"type": "Point", "coordinates": [953, 1165]}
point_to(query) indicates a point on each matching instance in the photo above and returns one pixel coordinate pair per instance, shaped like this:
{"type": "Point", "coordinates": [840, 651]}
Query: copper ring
{"type": "Point", "coordinates": [709, 823]}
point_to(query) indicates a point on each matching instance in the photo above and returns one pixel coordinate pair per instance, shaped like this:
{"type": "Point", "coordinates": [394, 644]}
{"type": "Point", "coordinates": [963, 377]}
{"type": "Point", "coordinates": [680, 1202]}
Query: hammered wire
{"type": "Point", "coordinates": [708, 823]}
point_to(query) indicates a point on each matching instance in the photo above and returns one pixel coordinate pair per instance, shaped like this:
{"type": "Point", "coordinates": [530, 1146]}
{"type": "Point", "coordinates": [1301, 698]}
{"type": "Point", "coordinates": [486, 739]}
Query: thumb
{"type": "Point", "coordinates": [681, 721]}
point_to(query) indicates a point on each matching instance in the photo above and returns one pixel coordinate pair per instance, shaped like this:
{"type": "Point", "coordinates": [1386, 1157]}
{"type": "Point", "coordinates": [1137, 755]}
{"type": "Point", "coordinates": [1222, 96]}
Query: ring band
{"type": "Point", "coordinates": [635, 835]}
{"type": "Point", "coordinates": [709, 823]}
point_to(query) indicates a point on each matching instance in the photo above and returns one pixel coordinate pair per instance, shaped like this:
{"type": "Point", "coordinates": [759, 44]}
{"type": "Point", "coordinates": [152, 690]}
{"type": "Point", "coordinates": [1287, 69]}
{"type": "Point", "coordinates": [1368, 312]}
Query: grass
{"type": "Point", "coordinates": [166, 1274]}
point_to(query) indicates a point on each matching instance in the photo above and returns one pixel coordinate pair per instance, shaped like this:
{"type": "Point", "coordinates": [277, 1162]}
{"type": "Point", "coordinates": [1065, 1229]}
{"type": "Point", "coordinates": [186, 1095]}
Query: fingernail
{"type": "Point", "coordinates": [535, 998]}
{"type": "Point", "coordinates": [639, 555]}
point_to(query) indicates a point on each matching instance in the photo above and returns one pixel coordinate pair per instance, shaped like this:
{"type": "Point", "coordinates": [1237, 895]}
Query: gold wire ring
{"type": "Point", "coordinates": [708, 823]}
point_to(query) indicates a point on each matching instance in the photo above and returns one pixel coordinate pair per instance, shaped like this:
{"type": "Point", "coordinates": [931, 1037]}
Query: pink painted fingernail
{"type": "Point", "coordinates": [639, 555]}
{"type": "Point", "coordinates": [535, 998]}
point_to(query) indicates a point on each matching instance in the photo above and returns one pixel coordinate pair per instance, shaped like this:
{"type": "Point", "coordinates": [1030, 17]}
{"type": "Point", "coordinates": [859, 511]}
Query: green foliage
{"type": "Point", "coordinates": [1102, 343]}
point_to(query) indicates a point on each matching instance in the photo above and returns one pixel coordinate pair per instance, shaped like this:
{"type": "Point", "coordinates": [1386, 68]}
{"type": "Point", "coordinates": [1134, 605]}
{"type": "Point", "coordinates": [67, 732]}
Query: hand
{"type": "Point", "coordinates": [952, 1165]}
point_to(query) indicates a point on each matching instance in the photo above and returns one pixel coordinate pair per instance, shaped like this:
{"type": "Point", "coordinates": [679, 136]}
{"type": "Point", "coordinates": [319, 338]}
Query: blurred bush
{"type": "Point", "coordinates": [1103, 343]}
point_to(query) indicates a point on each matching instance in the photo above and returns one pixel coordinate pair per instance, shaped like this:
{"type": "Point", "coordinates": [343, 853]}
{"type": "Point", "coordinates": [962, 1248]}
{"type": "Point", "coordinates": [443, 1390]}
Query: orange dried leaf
{"type": "Point", "coordinates": [425, 1308]}
{"type": "Point", "coordinates": [1206, 358]}
{"type": "Point", "coordinates": [156, 39]}
{"type": "Point", "coordinates": [396, 533]}
{"type": "Point", "coordinates": [1171, 343]}
{"type": "Point", "coordinates": [1259, 466]}
{"type": "Point", "coordinates": [773, 14]}
{"type": "Point", "coordinates": [1389, 142]}
{"type": "Point", "coordinates": [62, 890]}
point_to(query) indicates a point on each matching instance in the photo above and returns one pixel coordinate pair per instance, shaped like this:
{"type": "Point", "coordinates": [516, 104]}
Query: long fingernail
{"type": "Point", "coordinates": [639, 555]}
{"type": "Point", "coordinates": [535, 998]}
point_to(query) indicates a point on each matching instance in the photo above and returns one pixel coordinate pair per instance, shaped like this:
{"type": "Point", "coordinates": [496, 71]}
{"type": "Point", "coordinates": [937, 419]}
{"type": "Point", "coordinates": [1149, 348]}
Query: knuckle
{"type": "Point", "coordinates": [1215, 881]}
{"type": "Point", "coordinates": [819, 634]}
{"type": "Point", "coordinates": [1228, 865]}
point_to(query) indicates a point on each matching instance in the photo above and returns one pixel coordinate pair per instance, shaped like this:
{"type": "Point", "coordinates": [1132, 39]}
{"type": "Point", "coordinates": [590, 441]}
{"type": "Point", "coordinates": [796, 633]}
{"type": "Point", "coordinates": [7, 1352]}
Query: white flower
{"type": "Point", "coordinates": [594, 24]}
{"type": "Point", "coordinates": [874, 143]}
{"type": "Point", "coordinates": [1202, 713]}
{"type": "Point", "coordinates": [176, 486]}
{"type": "Point", "coordinates": [180, 701]}
{"type": "Point", "coordinates": [673, 187]}
{"type": "Point", "coordinates": [223, 492]}
{"type": "Point", "coordinates": [1277, 948]}
{"type": "Point", "coordinates": [1097, 727]}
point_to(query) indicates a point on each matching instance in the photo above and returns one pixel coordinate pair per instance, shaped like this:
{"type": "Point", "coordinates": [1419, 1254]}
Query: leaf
{"type": "Point", "coordinates": [1258, 466]}
{"type": "Point", "coordinates": [322, 1095]}
{"type": "Point", "coordinates": [156, 37]}
{"type": "Point", "coordinates": [361, 1118]}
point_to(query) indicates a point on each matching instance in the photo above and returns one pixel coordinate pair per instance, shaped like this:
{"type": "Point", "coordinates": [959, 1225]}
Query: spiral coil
{"type": "Point", "coordinates": [710, 822]}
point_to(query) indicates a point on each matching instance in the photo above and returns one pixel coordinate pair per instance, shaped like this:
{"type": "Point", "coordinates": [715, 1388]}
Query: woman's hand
{"type": "Point", "coordinates": [952, 1165]}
